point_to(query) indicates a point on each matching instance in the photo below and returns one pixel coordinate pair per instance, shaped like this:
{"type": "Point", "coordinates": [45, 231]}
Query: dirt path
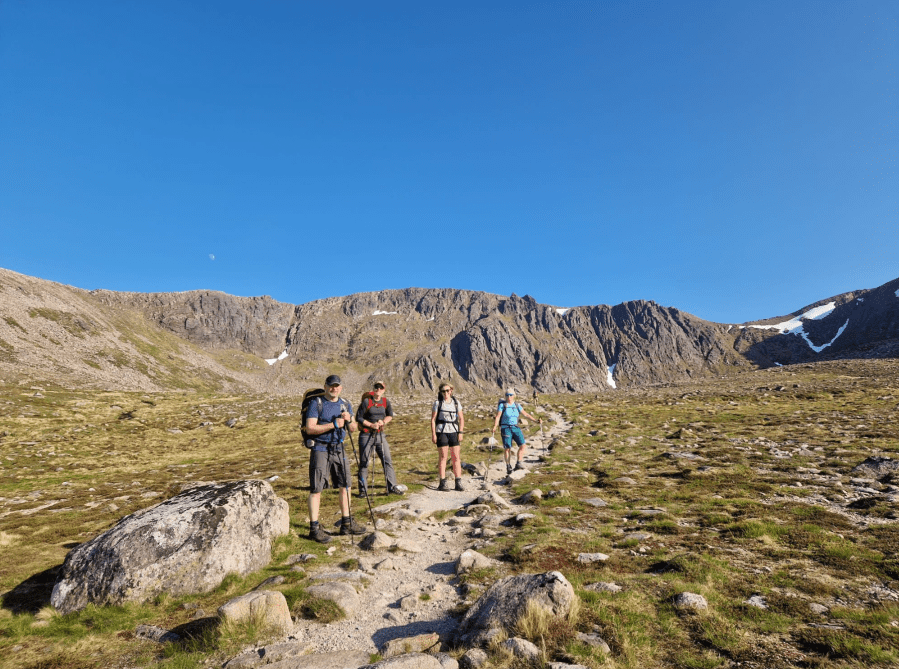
{"type": "Point", "coordinates": [423, 574]}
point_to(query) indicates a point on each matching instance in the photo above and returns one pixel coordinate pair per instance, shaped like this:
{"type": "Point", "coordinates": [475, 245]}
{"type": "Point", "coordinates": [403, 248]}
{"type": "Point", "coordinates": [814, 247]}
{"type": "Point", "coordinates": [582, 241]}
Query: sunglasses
{"type": "Point", "coordinates": [447, 390]}
{"type": "Point", "coordinates": [510, 394]}
{"type": "Point", "coordinates": [379, 387]}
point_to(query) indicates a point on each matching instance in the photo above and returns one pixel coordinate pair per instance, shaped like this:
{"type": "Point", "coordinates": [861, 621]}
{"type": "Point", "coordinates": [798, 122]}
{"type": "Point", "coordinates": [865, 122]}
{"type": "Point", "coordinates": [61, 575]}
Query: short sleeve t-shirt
{"type": "Point", "coordinates": [377, 411]}
{"type": "Point", "coordinates": [510, 414]}
{"type": "Point", "coordinates": [447, 415]}
{"type": "Point", "coordinates": [329, 411]}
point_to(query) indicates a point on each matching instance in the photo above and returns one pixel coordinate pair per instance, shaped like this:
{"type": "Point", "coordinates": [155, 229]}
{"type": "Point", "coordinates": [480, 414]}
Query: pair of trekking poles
{"type": "Point", "coordinates": [358, 466]}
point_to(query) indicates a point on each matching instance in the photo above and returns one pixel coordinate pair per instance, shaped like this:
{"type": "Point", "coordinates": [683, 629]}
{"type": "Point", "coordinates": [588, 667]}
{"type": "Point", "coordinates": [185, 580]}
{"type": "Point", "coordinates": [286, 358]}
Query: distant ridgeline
{"type": "Point", "coordinates": [412, 339]}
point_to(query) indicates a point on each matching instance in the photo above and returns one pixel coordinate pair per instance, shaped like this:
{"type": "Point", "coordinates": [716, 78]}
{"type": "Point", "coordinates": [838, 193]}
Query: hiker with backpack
{"type": "Point", "coordinates": [327, 418]}
{"type": "Point", "coordinates": [373, 415]}
{"type": "Point", "coordinates": [507, 414]}
{"type": "Point", "coordinates": [447, 424]}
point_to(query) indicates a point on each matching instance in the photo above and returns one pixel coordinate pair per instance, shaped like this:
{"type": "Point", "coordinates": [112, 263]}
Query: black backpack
{"type": "Point", "coordinates": [313, 395]}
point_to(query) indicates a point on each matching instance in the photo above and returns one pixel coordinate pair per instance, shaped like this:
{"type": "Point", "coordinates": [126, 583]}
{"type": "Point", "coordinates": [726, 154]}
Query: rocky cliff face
{"type": "Point", "coordinates": [211, 319]}
{"type": "Point", "coordinates": [417, 337]}
{"type": "Point", "coordinates": [414, 338]}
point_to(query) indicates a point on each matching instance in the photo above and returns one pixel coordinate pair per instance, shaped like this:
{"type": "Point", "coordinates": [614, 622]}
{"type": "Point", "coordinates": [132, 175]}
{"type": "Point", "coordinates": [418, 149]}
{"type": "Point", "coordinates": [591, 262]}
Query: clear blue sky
{"type": "Point", "coordinates": [737, 160]}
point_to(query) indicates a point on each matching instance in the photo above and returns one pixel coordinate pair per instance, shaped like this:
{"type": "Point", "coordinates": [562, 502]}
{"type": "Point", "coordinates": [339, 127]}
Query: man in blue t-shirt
{"type": "Point", "coordinates": [507, 413]}
{"type": "Point", "coordinates": [327, 421]}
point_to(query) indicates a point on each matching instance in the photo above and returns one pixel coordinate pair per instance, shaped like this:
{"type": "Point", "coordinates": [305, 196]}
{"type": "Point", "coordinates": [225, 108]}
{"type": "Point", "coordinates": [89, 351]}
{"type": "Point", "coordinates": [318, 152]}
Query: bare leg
{"type": "Point", "coordinates": [457, 462]}
{"type": "Point", "coordinates": [315, 499]}
{"type": "Point", "coordinates": [344, 502]}
{"type": "Point", "coordinates": [441, 461]}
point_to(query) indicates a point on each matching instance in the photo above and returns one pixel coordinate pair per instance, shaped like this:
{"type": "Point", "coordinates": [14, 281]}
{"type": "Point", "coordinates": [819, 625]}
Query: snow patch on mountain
{"type": "Point", "coordinates": [272, 361]}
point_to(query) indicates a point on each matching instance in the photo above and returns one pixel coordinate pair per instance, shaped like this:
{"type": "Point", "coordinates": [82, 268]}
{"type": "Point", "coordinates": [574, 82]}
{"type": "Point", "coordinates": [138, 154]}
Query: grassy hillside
{"type": "Point", "coordinates": [731, 489]}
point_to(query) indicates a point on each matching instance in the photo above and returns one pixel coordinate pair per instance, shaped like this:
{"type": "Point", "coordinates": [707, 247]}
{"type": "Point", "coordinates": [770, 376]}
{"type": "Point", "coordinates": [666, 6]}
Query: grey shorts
{"type": "Point", "coordinates": [324, 465]}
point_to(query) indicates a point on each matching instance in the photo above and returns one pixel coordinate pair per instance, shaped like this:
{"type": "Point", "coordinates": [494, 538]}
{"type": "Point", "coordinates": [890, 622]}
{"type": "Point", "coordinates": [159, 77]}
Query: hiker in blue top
{"type": "Point", "coordinates": [327, 421]}
{"type": "Point", "coordinates": [507, 414]}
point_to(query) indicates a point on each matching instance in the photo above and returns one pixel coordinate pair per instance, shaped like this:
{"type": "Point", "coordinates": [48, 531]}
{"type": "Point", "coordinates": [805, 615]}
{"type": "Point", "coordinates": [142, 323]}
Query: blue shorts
{"type": "Point", "coordinates": [510, 432]}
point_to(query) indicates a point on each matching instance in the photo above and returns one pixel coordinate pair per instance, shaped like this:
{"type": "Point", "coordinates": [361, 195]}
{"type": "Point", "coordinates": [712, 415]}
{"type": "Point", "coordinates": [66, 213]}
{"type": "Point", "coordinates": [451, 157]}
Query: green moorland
{"type": "Point", "coordinates": [730, 488]}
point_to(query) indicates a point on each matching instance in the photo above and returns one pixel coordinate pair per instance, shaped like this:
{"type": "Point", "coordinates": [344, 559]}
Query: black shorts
{"type": "Point", "coordinates": [447, 439]}
{"type": "Point", "coordinates": [328, 464]}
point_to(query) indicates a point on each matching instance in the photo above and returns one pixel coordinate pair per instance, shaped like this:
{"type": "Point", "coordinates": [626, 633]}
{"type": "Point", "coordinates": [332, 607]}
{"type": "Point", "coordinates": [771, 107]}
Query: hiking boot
{"type": "Point", "coordinates": [351, 527]}
{"type": "Point", "coordinates": [459, 485]}
{"type": "Point", "coordinates": [518, 465]}
{"type": "Point", "coordinates": [395, 491]}
{"type": "Point", "coordinates": [318, 534]}
{"type": "Point", "coordinates": [361, 494]}
{"type": "Point", "coordinates": [508, 469]}
{"type": "Point", "coordinates": [442, 487]}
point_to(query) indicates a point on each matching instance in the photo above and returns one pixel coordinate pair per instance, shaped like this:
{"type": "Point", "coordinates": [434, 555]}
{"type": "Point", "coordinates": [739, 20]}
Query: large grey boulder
{"type": "Point", "coordinates": [184, 545]}
{"type": "Point", "coordinates": [507, 599]}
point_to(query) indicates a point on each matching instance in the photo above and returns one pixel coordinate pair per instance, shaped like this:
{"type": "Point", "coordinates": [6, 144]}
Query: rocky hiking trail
{"type": "Point", "coordinates": [406, 582]}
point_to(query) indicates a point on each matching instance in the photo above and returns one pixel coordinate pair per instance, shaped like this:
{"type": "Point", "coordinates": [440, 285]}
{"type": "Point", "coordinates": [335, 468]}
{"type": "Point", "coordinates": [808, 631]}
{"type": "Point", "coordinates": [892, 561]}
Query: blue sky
{"type": "Point", "coordinates": [736, 160]}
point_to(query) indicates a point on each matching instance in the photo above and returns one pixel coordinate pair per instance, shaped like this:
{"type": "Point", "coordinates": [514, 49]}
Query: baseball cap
{"type": "Point", "coordinates": [332, 380]}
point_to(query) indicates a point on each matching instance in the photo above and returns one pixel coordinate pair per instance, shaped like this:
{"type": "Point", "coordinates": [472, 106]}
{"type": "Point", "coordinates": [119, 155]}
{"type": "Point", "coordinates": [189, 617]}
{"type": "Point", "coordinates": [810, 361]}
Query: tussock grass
{"type": "Point", "coordinates": [766, 507]}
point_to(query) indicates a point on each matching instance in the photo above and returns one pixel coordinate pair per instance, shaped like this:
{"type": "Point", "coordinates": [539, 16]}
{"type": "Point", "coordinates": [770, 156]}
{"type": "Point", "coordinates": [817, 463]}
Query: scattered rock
{"type": "Point", "coordinates": [533, 496]}
{"type": "Point", "coordinates": [411, 644]}
{"type": "Point", "coordinates": [603, 587]}
{"type": "Point", "coordinates": [818, 609]}
{"type": "Point", "coordinates": [153, 633]}
{"type": "Point", "coordinates": [376, 541]}
{"type": "Point", "coordinates": [474, 658]}
{"type": "Point", "coordinates": [408, 545]}
{"type": "Point", "coordinates": [522, 648]}
{"type": "Point", "coordinates": [757, 601]}
{"type": "Point", "coordinates": [596, 501]}
{"type": "Point", "coordinates": [594, 641]}
{"type": "Point", "coordinates": [267, 607]}
{"type": "Point", "coordinates": [472, 560]}
{"type": "Point", "coordinates": [690, 601]}
{"type": "Point", "coordinates": [591, 558]}
{"type": "Point", "coordinates": [342, 594]}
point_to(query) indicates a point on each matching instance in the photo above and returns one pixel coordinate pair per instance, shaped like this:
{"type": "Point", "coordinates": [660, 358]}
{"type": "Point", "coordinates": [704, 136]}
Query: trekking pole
{"type": "Point", "coordinates": [490, 443]}
{"type": "Point", "coordinates": [370, 511]}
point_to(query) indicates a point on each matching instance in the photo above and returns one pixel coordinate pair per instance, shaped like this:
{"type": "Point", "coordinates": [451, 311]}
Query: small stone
{"type": "Point", "coordinates": [533, 496]}
{"type": "Point", "coordinates": [475, 658]}
{"type": "Point", "coordinates": [757, 601]}
{"type": "Point", "coordinates": [818, 609]}
{"type": "Point", "coordinates": [522, 648]}
{"type": "Point", "coordinates": [594, 641]}
{"type": "Point", "coordinates": [591, 558]}
{"type": "Point", "coordinates": [596, 501]}
{"type": "Point", "coordinates": [408, 545]}
{"type": "Point", "coordinates": [522, 518]}
{"type": "Point", "coordinates": [690, 601]}
{"type": "Point", "coordinates": [604, 587]}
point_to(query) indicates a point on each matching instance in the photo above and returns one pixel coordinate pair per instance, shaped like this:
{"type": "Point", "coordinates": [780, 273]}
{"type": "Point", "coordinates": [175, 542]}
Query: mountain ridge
{"type": "Point", "coordinates": [413, 338]}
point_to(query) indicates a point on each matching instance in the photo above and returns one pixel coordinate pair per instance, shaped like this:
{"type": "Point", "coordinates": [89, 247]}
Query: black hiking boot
{"type": "Point", "coordinates": [459, 485]}
{"type": "Point", "coordinates": [350, 526]}
{"type": "Point", "coordinates": [362, 492]}
{"type": "Point", "coordinates": [316, 533]}
{"type": "Point", "coordinates": [443, 487]}
{"type": "Point", "coordinates": [508, 469]}
{"type": "Point", "coordinates": [518, 465]}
